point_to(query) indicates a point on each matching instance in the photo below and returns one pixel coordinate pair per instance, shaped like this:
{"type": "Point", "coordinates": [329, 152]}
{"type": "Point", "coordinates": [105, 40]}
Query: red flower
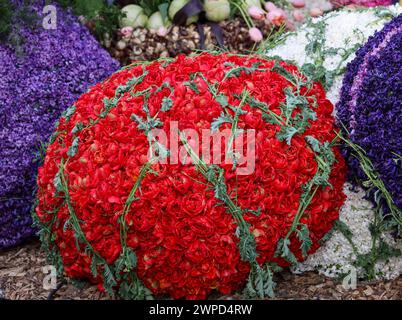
{"type": "Point", "coordinates": [184, 238]}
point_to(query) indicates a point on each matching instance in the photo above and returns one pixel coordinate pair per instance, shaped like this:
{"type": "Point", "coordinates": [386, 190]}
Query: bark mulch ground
{"type": "Point", "coordinates": [21, 277]}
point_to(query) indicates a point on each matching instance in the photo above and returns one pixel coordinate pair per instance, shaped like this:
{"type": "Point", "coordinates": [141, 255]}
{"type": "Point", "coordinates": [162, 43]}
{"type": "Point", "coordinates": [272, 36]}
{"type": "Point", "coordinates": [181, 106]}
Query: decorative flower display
{"type": "Point", "coordinates": [116, 209]}
{"type": "Point", "coordinates": [370, 106]}
{"type": "Point", "coordinates": [337, 36]}
{"type": "Point", "coordinates": [43, 76]}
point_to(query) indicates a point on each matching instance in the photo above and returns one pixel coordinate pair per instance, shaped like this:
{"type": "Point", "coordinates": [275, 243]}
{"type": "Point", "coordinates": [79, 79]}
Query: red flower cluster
{"type": "Point", "coordinates": [183, 237]}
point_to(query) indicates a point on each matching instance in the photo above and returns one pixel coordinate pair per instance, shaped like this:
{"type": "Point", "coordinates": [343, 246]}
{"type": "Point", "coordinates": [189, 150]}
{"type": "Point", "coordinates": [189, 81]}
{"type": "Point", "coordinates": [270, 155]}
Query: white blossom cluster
{"type": "Point", "coordinates": [345, 29]}
{"type": "Point", "coordinates": [336, 256]}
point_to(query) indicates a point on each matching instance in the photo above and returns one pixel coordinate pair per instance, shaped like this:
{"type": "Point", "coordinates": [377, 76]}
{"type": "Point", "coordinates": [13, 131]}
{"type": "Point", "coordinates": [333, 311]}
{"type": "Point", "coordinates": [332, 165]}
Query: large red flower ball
{"type": "Point", "coordinates": [122, 220]}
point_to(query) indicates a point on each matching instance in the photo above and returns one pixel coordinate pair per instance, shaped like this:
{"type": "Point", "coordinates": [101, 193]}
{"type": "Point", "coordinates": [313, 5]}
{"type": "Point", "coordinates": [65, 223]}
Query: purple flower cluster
{"type": "Point", "coordinates": [371, 106]}
{"type": "Point", "coordinates": [54, 69]}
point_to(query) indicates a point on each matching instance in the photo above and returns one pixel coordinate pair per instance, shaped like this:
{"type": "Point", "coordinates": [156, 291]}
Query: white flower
{"type": "Point", "coordinates": [336, 256]}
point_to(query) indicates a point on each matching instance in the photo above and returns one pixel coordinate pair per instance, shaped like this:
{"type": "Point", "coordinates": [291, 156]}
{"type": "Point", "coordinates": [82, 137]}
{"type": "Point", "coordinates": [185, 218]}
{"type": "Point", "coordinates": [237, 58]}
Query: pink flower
{"type": "Point", "coordinates": [255, 34]}
{"type": "Point", "coordinates": [277, 17]}
{"type": "Point", "coordinates": [298, 16]}
{"type": "Point", "coordinates": [127, 32]}
{"type": "Point", "coordinates": [269, 6]}
{"type": "Point", "coordinates": [298, 3]}
{"type": "Point", "coordinates": [316, 12]}
{"type": "Point", "coordinates": [162, 32]}
{"type": "Point", "coordinates": [256, 13]}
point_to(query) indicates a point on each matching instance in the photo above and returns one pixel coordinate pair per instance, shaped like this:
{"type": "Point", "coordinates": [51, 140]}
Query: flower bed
{"type": "Point", "coordinates": [113, 213]}
{"type": "Point", "coordinates": [347, 30]}
{"type": "Point", "coordinates": [38, 79]}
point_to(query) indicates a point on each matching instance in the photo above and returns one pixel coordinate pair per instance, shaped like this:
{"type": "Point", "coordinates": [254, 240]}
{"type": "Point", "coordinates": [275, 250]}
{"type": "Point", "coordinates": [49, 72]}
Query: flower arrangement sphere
{"type": "Point", "coordinates": [39, 78]}
{"type": "Point", "coordinates": [137, 226]}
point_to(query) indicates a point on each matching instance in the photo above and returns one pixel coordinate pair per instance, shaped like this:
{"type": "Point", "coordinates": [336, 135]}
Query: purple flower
{"type": "Point", "coordinates": [55, 67]}
{"type": "Point", "coordinates": [371, 106]}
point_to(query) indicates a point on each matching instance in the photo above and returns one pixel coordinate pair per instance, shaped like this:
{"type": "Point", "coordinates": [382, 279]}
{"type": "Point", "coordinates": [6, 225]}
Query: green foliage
{"type": "Point", "coordinates": [192, 85]}
{"type": "Point", "coordinates": [304, 236]}
{"type": "Point", "coordinates": [6, 14]}
{"type": "Point", "coordinates": [235, 70]}
{"type": "Point", "coordinates": [217, 122]}
{"type": "Point", "coordinates": [260, 283]}
{"type": "Point", "coordinates": [286, 134]}
{"type": "Point", "coordinates": [282, 250]}
{"type": "Point", "coordinates": [68, 113]}
{"type": "Point", "coordinates": [105, 18]}
{"type": "Point", "coordinates": [374, 181]}
{"type": "Point", "coordinates": [151, 6]}
{"type": "Point", "coordinates": [87, 8]}
{"type": "Point", "coordinates": [167, 104]}
{"type": "Point", "coordinates": [72, 151]}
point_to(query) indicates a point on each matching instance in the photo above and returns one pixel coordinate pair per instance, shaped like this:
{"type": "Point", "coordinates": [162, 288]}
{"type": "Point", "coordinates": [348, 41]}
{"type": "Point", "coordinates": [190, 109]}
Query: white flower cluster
{"type": "Point", "coordinates": [348, 30]}
{"type": "Point", "coordinates": [336, 256]}
{"type": "Point", "coordinates": [345, 30]}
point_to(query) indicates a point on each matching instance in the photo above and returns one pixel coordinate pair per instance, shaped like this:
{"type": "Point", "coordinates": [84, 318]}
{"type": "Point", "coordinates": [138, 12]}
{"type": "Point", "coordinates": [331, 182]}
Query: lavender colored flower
{"type": "Point", "coordinates": [371, 106]}
{"type": "Point", "coordinates": [53, 69]}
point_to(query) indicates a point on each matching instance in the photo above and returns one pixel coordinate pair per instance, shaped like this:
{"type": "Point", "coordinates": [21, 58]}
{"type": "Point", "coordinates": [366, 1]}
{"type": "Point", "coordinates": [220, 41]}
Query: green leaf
{"type": "Point", "coordinates": [327, 236]}
{"type": "Point", "coordinates": [304, 237]}
{"type": "Point", "coordinates": [283, 251]}
{"type": "Point", "coordinates": [163, 9]}
{"type": "Point", "coordinates": [247, 246]}
{"type": "Point", "coordinates": [222, 100]}
{"type": "Point", "coordinates": [254, 212]}
{"type": "Point", "coordinates": [68, 113]}
{"type": "Point", "coordinates": [287, 134]}
{"type": "Point", "coordinates": [57, 182]}
{"type": "Point", "coordinates": [283, 72]}
{"type": "Point", "coordinates": [343, 228]}
{"type": "Point", "coordinates": [217, 122]}
{"type": "Point", "coordinates": [260, 283]}
{"type": "Point", "coordinates": [293, 100]}
{"type": "Point", "coordinates": [167, 104]}
{"type": "Point", "coordinates": [131, 259]}
{"type": "Point", "coordinates": [77, 128]}
{"type": "Point", "coordinates": [94, 266]}
{"type": "Point", "coordinates": [192, 85]}
{"type": "Point", "coordinates": [72, 151]}
{"type": "Point", "coordinates": [314, 143]}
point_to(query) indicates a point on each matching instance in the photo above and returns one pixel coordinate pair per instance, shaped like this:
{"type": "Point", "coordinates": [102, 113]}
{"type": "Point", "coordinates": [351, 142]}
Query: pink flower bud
{"type": "Point", "coordinates": [316, 12]}
{"type": "Point", "coordinates": [298, 3]}
{"type": "Point", "coordinates": [256, 13]}
{"type": "Point", "coordinates": [255, 34]}
{"type": "Point", "coordinates": [298, 16]}
{"type": "Point", "coordinates": [162, 31]}
{"type": "Point", "coordinates": [277, 17]}
{"type": "Point", "coordinates": [269, 6]}
{"type": "Point", "coordinates": [127, 32]}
